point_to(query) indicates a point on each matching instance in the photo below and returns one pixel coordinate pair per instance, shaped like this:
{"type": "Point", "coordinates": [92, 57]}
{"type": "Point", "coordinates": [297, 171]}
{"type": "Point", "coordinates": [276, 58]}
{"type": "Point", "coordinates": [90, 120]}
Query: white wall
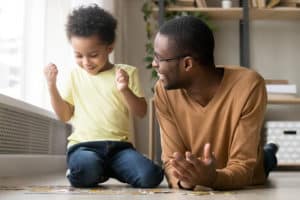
{"type": "Point", "coordinates": [275, 47]}
{"type": "Point", "coordinates": [135, 45]}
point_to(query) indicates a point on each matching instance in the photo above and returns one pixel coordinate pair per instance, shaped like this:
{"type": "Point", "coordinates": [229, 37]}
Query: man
{"type": "Point", "coordinates": [210, 117]}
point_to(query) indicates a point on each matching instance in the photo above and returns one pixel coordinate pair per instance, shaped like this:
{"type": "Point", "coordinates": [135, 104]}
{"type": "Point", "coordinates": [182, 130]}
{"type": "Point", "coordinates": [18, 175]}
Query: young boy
{"type": "Point", "coordinates": [98, 99]}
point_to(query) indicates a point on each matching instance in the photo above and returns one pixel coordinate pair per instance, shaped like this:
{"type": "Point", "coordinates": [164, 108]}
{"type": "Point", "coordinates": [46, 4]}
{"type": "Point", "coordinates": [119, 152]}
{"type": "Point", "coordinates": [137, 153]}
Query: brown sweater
{"type": "Point", "coordinates": [231, 122]}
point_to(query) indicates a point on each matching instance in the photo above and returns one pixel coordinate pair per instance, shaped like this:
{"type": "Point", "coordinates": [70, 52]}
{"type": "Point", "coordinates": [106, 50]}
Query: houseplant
{"type": "Point", "coordinates": [151, 26]}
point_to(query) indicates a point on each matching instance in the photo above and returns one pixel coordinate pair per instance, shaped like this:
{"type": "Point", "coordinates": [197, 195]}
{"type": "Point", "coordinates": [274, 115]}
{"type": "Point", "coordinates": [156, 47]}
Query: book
{"type": "Point", "coordinates": [281, 96]}
{"type": "Point", "coordinates": [201, 3]}
{"type": "Point", "coordinates": [290, 3]}
{"type": "Point", "coordinates": [276, 81]}
{"type": "Point", "coordinates": [261, 3]}
{"type": "Point", "coordinates": [273, 3]}
{"type": "Point", "coordinates": [254, 4]}
{"type": "Point", "coordinates": [187, 3]}
{"type": "Point", "coordinates": [281, 88]}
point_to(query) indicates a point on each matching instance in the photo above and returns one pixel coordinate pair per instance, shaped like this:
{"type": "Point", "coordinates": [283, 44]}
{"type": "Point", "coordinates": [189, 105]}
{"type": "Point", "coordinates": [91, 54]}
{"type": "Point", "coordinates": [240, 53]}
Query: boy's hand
{"type": "Point", "coordinates": [51, 72]}
{"type": "Point", "coordinates": [122, 79]}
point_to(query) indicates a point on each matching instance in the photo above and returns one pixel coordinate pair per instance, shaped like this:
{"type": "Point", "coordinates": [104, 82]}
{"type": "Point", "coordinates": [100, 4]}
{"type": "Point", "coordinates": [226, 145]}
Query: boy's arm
{"type": "Point", "coordinates": [63, 110]}
{"type": "Point", "coordinates": [136, 105]}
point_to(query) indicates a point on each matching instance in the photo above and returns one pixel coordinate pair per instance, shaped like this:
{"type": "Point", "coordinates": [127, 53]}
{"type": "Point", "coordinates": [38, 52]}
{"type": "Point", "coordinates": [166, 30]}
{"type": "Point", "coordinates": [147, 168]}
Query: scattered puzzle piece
{"type": "Point", "coordinates": [106, 190]}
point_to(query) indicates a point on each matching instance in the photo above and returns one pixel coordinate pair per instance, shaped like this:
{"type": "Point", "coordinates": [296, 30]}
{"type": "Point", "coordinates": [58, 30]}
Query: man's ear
{"type": "Point", "coordinates": [188, 63]}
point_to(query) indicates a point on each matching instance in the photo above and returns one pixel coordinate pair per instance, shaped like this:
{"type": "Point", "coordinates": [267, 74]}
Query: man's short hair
{"type": "Point", "coordinates": [92, 20]}
{"type": "Point", "coordinates": [190, 36]}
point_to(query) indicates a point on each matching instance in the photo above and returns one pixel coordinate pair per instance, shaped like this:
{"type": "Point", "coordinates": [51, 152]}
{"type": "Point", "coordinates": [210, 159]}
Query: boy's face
{"type": "Point", "coordinates": [91, 53]}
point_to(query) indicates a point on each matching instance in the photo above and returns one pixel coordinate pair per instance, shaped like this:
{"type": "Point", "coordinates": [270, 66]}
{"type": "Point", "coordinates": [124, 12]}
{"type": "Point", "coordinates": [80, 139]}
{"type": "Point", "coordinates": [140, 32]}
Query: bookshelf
{"type": "Point", "coordinates": [286, 100]}
{"type": "Point", "coordinates": [244, 14]}
{"type": "Point", "coordinates": [213, 13]}
{"type": "Point", "coordinates": [288, 166]}
{"type": "Point", "coordinates": [279, 13]}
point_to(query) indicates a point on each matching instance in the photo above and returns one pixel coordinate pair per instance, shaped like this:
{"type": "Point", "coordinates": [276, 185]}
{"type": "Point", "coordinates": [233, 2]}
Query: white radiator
{"type": "Point", "coordinates": [31, 139]}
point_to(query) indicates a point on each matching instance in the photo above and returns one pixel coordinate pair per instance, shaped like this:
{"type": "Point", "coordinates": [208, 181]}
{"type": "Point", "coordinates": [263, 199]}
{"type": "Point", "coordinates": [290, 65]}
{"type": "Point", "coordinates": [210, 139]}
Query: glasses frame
{"type": "Point", "coordinates": [157, 60]}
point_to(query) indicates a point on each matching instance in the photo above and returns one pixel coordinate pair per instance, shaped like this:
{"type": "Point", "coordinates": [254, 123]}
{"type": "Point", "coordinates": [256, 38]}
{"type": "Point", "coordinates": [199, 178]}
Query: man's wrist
{"type": "Point", "coordinates": [184, 186]}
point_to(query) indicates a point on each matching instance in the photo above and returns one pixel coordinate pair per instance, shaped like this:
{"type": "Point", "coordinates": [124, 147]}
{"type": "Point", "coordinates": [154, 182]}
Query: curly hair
{"type": "Point", "coordinates": [91, 20]}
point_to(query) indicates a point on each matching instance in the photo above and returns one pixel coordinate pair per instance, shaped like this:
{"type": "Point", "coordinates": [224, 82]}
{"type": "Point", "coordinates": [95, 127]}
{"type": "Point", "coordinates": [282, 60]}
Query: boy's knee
{"type": "Point", "coordinates": [83, 176]}
{"type": "Point", "coordinates": [149, 178]}
{"type": "Point", "coordinates": [84, 171]}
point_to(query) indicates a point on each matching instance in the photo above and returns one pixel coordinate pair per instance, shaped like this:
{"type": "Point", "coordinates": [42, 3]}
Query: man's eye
{"type": "Point", "coordinates": [78, 56]}
{"type": "Point", "coordinates": [94, 55]}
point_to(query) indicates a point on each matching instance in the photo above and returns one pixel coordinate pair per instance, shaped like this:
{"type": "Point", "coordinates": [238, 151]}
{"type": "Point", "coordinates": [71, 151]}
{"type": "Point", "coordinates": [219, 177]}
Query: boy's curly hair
{"type": "Point", "coordinates": [92, 20]}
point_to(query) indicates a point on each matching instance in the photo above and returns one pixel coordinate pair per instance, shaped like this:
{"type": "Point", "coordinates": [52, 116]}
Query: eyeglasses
{"type": "Point", "coordinates": [157, 59]}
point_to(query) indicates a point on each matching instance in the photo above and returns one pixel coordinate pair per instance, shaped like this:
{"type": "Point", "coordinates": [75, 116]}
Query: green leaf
{"type": "Point", "coordinates": [149, 66]}
{"type": "Point", "coordinates": [148, 59]}
{"type": "Point", "coordinates": [154, 74]}
{"type": "Point", "coordinates": [147, 9]}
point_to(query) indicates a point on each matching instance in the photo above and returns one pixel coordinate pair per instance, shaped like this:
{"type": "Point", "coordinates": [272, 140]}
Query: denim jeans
{"type": "Point", "coordinates": [91, 163]}
{"type": "Point", "coordinates": [270, 160]}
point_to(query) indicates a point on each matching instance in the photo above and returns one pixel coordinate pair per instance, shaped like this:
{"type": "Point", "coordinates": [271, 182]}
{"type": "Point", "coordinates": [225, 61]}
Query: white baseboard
{"type": "Point", "coordinates": [24, 165]}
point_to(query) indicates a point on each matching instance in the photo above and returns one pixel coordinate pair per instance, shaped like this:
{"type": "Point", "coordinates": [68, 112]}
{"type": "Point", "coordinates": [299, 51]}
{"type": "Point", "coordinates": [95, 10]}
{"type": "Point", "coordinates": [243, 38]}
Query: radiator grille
{"type": "Point", "coordinates": [23, 132]}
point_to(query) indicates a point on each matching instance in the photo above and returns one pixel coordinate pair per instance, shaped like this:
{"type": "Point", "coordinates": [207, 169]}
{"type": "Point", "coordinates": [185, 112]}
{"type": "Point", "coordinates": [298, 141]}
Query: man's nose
{"type": "Point", "coordinates": [154, 63]}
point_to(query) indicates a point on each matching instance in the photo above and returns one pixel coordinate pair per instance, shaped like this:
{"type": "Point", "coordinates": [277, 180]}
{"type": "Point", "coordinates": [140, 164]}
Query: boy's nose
{"type": "Point", "coordinates": [85, 61]}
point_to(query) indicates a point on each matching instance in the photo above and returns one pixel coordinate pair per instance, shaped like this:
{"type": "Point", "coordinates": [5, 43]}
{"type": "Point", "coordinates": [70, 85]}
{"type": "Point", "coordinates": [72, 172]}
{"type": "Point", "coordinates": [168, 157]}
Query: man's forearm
{"type": "Point", "coordinates": [232, 178]}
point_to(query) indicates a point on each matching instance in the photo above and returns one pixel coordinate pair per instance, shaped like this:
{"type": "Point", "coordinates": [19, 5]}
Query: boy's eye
{"type": "Point", "coordinates": [94, 55]}
{"type": "Point", "coordinates": [78, 56]}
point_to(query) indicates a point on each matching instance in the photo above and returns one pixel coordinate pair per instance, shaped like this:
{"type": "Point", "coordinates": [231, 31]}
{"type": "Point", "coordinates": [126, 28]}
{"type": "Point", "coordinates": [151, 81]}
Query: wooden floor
{"type": "Point", "coordinates": [281, 185]}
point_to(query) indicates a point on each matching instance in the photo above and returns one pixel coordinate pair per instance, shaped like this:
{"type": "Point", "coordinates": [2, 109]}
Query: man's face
{"type": "Point", "coordinates": [90, 53]}
{"type": "Point", "coordinates": [166, 63]}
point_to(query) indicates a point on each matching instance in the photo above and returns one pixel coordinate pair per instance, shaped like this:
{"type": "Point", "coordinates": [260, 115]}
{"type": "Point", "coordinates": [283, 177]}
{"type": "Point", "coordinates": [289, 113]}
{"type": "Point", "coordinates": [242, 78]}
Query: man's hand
{"type": "Point", "coordinates": [50, 72]}
{"type": "Point", "coordinates": [192, 171]}
{"type": "Point", "coordinates": [122, 79]}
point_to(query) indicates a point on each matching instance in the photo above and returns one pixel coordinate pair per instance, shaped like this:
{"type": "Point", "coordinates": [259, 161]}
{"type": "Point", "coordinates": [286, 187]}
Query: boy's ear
{"type": "Point", "coordinates": [111, 47]}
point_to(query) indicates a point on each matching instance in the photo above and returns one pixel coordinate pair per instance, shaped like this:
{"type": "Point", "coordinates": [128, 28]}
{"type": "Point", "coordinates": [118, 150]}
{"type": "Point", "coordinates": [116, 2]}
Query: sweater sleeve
{"type": "Point", "coordinates": [245, 146]}
{"type": "Point", "coordinates": [170, 138]}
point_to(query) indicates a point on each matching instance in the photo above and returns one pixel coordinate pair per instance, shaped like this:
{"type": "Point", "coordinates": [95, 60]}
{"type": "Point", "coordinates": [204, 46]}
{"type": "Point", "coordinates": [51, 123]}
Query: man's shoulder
{"type": "Point", "coordinates": [243, 82]}
{"type": "Point", "coordinates": [243, 75]}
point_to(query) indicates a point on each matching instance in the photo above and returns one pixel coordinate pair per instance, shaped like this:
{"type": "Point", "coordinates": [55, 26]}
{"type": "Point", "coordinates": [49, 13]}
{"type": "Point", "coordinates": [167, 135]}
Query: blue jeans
{"type": "Point", "coordinates": [270, 160]}
{"type": "Point", "coordinates": [91, 163]}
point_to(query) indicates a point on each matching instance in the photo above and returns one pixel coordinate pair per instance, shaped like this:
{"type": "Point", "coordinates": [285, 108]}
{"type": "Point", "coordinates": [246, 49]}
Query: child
{"type": "Point", "coordinates": [98, 99]}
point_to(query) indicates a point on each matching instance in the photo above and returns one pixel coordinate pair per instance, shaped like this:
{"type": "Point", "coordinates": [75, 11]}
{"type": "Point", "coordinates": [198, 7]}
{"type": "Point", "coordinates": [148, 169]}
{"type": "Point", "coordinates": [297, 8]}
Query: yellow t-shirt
{"type": "Point", "coordinates": [100, 112]}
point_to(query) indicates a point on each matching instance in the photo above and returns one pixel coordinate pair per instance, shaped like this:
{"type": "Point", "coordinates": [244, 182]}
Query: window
{"type": "Point", "coordinates": [33, 34]}
{"type": "Point", "coordinates": [28, 43]}
{"type": "Point", "coordinates": [11, 47]}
